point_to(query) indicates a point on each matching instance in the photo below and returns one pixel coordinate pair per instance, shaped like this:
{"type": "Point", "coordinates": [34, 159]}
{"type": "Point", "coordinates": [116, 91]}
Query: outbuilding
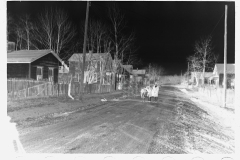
{"type": "Point", "coordinates": [33, 64]}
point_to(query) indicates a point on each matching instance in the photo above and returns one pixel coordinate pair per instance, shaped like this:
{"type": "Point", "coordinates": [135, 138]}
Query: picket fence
{"type": "Point", "coordinates": [21, 84]}
{"type": "Point", "coordinates": [216, 94]}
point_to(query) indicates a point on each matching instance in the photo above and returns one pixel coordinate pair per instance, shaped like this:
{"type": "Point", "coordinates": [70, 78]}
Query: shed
{"type": "Point", "coordinates": [33, 64]}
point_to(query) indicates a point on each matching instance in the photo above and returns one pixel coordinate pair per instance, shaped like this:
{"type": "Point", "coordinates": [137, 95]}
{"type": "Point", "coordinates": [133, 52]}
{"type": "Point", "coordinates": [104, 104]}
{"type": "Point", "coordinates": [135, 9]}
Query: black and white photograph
{"type": "Point", "coordinates": [121, 77]}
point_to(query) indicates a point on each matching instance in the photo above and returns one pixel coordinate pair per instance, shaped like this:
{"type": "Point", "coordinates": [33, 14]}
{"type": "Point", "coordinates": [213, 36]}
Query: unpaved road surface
{"type": "Point", "coordinates": [172, 125]}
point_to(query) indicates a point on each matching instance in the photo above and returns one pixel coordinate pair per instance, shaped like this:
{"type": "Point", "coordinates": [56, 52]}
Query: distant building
{"type": "Point", "coordinates": [140, 75]}
{"type": "Point", "coordinates": [125, 77]}
{"type": "Point", "coordinates": [207, 75]}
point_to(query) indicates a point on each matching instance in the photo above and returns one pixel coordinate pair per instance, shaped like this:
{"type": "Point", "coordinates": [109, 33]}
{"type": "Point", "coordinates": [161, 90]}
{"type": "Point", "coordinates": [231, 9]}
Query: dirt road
{"type": "Point", "coordinates": [174, 124]}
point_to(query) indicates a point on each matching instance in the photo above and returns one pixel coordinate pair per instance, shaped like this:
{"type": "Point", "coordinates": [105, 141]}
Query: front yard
{"type": "Point", "coordinates": [47, 110]}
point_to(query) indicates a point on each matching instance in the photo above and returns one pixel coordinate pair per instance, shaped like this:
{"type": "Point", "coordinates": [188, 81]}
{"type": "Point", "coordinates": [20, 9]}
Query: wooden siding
{"type": "Point", "coordinates": [33, 72]}
{"type": "Point", "coordinates": [17, 70]}
{"type": "Point", "coordinates": [46, 61]}
{"type": "Point", "coordinates": [55, 75]}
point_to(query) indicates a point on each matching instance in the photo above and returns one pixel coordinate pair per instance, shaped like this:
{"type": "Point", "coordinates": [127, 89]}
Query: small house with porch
{"type": "Point", "coordinates": [33, 64]}
{"type": "Point", "coordinates": [218, 73]}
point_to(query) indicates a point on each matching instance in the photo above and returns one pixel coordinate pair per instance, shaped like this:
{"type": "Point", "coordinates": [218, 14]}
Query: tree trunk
{"type": "Point", "coordinates": [197, 79]}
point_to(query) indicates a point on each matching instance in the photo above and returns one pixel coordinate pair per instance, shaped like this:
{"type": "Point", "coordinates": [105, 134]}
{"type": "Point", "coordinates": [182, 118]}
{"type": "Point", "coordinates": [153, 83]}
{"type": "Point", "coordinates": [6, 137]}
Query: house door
{"type": "Point", "coordinates": [50, 74]}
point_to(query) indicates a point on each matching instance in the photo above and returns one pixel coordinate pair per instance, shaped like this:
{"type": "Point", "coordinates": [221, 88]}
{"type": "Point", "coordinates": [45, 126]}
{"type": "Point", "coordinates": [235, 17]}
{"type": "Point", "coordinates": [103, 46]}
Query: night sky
{"type": "Point", "coordinates": [165, 31]}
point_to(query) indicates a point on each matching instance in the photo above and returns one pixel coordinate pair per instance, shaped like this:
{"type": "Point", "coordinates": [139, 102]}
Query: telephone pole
{"type": "Point", "coordinates": [225, 59]}
{"type": "Point", "coordinates": [84, 49]}
{"type": "Point", "coordinates": [188, 73]}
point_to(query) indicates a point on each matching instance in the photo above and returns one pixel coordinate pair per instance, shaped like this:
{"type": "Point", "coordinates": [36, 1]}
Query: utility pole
{"type": "Point", "coordinates": [188, 73]}
{"type": "Point", "coordinates": [225, 59]}
{"type": "Point", "coordinates": [84, 50]}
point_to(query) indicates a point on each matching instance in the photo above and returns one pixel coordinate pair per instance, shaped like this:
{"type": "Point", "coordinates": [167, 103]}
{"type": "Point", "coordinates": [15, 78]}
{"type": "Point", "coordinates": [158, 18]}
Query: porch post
{"type": "Point", "coordinates": [29, 71]}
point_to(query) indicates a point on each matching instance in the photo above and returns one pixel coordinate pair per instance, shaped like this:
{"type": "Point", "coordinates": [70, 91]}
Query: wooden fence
{"type": "Point", "coordinates": [14, 85]}
{"type": "Point", "coordinates": [51, 89]}
{"type": "Point", "coordinates": [216, 94]}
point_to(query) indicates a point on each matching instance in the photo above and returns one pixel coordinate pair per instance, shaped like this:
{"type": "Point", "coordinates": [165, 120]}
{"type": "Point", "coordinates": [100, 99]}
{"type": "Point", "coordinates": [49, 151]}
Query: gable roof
{"type": "Point", "coordinates": [139, 71]}
{"type": "Point", "coordinates": [89, 56]}
{"type": "Point", "coordinates": [28, 56]}
{"type": "Point", "coordinates": [128, 68]}
{"type": "Point", "coordinates": [219, 68]}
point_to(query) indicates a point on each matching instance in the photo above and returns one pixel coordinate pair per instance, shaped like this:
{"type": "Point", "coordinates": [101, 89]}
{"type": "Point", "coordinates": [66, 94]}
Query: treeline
{"type": "Point", "coordinates": [53, 29]}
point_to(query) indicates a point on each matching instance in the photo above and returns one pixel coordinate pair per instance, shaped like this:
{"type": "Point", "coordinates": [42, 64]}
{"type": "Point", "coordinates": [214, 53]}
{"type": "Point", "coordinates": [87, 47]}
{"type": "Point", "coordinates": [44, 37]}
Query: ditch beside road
{"type": "Point", "coordinates": [173, 124]}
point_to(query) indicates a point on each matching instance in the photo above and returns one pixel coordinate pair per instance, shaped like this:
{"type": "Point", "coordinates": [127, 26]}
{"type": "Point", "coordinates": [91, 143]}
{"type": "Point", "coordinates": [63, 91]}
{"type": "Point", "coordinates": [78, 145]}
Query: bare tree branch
{"type": "Point", "coordinates": [203, 58]}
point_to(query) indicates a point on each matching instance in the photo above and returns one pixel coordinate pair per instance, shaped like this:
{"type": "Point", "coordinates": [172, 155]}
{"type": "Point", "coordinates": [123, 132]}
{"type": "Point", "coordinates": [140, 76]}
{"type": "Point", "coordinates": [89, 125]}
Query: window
{"type": "Point", "coordinates": [107, 79]}
{"type": "Point", "coordinates": [39, 73]}
{"type": "Point", "coordinates": [50, 74]}
{"type": "Point", "coordinates": [95, 78]}
{"type": "Point", "coordinates": [76, 77]}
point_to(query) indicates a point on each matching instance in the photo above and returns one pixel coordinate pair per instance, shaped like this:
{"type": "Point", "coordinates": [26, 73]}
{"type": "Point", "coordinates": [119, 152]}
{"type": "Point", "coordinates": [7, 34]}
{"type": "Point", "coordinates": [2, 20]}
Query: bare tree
{"type": "Point", "coordinates": [19, 37]}
{"type": "Point", "coordinates": [9, 24]}
{"type": "Point", "coordinates": [27, 27]}
{"type": "Point", "coordinates": [55, 31]}
{"type": "Point", "coordinates": [203, 58]}
{"type": "Point", "coordinates": [97, 36]}
{"type": "Point", "coordinates": [123, 44]}
{"type": "Point", "coordinates": [154, 71]}
{"type": "Point", "coordinates": [65, 31]}
{"type": "Point", "coordinates": [195, 67]}
{"type": "Point", "coordinates": [44, 32]}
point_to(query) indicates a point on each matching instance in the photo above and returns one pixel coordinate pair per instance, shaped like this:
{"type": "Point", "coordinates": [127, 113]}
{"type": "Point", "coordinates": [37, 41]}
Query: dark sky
{"type": "Point", "coordinates": [165, 31]}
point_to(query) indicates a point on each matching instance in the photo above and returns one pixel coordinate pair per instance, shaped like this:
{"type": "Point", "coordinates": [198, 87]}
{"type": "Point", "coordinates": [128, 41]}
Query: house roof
{"type": "Point", "coordinates": [28, 56]}
{"type": "Point", "coordinates": [128, 68]}
{"type": "Point", "coordinates": [139, 71]}
{"type": "Point", "coordinates": [89, 56]}
{"type": "Point", "coordinates": [219, 68]}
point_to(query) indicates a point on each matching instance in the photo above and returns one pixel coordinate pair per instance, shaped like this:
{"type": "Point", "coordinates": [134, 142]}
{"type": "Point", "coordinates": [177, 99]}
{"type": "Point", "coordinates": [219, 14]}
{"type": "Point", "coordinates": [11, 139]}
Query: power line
{"type": "Point", "coordinates": [219, 20]}
{"type": "Point", "coordinates": [217, 24]}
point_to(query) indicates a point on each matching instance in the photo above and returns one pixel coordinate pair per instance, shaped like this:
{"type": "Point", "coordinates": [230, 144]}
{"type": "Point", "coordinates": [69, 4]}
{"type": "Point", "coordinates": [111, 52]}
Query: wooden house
{"type": "Point", "coordinates": [206, 78]}
{"type": "Point", "coordinates": [98, 68]}
{"type": "Point", "coordinates": [124, 77]}
{"type": "Point", "coordinates": [218, 74]}
{"type": "Point", "coordinates": [33, 64]}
